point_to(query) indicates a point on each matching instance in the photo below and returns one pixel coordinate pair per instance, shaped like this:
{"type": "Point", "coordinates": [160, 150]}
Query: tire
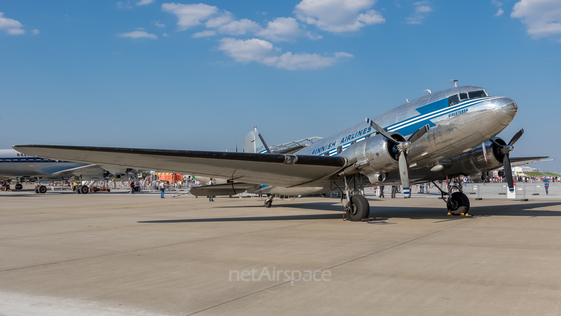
{"type": "Point", "coordinates": [42, 189]}
{"type": "Point", "coordinates": [84, 189]}
{"type": "Point", "coordinates": [36, 189]}
{"type": "Point", "coordinates": [458, 204]}
{"type": "Point", "coordinates": [78, 189]}
{"type": "Point", "coordinates": [268, 204]}
{"type": "Point", "coordinates": [358, 209]}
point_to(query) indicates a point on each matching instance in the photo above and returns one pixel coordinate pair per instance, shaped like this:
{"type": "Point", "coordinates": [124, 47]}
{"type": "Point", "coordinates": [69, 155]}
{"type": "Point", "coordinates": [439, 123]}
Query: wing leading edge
{"type": "Point", "coordinates": [272, 169]}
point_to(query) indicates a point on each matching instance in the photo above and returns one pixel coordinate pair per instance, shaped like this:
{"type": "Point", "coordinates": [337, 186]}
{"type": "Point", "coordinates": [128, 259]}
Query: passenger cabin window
{"type": "Point", "coordinates": [477, 94]}
{"type": "Point", "coordinates": [453, 100]}
{"type": "Point", "coordinates": [463, 95]}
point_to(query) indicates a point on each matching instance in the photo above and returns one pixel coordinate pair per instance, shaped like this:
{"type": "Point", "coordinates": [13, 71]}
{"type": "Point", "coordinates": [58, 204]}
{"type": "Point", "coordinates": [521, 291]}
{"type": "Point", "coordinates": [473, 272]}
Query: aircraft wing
{"type": "Point", "coordinates": [272, 169]}
{"type": "Point", "coordinates": [85, 169]}
{"type": "Point", "coordinates": [521, 161]}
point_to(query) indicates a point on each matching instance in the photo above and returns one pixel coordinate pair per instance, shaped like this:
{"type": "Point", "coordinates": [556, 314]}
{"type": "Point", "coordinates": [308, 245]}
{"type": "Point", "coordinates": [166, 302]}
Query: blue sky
{"type": "Point", "coordinates": [200, 75]}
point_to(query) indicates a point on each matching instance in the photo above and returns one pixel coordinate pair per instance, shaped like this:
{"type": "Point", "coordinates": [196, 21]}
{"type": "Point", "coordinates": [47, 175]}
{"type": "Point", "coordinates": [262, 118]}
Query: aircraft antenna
{"type": "Point", "coordinates": [407, 100]}
{"type": "Point", "coordinates": [455, 82]}
{"type": "Point", "coordinates": [428, 90]}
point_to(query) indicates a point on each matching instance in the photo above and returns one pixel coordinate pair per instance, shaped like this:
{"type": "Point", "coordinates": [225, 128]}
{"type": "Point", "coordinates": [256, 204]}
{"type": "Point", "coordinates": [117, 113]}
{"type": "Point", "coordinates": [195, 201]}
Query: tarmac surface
{"type": "Point", "coordinates": [120, 254]}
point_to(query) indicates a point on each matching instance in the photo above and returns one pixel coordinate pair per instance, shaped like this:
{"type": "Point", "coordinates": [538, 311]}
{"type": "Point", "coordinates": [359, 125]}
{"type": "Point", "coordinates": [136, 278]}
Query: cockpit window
{"type": "Point", "coordinates": [463, 95]}
{"type": "Point", "coordinates": [477, 94]}
{"type": "Point", "coordinates": [453, 100]}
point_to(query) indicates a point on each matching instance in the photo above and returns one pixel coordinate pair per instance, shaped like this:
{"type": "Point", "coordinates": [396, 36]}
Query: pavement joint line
{"type": "Point", "coordinates": [328, 268]}
{"type": "Point", "coordinates": [97, 208]}
{"type": "Point", "coordinates": [149, 248]}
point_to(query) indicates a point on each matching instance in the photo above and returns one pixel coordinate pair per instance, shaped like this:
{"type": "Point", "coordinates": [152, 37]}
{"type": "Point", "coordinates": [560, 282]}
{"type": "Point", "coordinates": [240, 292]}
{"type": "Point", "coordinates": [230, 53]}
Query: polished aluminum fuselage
{"type": "Point", "coordinates": [453, 130]}
{"type": "Point", "coordinates": [14, 164]}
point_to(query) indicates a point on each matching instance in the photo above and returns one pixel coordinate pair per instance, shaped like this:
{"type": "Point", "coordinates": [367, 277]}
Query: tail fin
{"type": "Point", "coordinates": [254, 143]}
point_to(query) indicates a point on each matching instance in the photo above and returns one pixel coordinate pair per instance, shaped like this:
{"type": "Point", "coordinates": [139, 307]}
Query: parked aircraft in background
{"type": "Point", "coordinates": [439, 136]}
{"type": "Point", "coordinates": [16, 165]}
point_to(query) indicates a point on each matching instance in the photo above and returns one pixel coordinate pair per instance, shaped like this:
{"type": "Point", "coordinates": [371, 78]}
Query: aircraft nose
{"type": "Point", "coordinates": [505, 110]}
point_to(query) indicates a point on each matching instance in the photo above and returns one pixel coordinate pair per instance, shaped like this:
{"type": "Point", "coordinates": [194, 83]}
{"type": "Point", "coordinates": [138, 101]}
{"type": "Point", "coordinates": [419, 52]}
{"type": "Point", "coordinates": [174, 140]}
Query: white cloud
{"type": "Point", "coordinates": [158, 24]}
{"type": "Point", "coordinates": [421, 10]}
{"type": "Point", "coordinates": [189, 15]}
{"type": "Point", "coordinates": [245, 51]}
{"type": "Point", "coordinates": [206, 33]}
{"type": "Point", "coordinates": [499, 4]}
{"type": "Point", "coordinates": [165, 35]}
{"type": "Point", "coordinates": [263, 52]}
{"type": "Point", "coordinates": [10, 26]}
{"type": "Point", "coordinates": [124, 4]}
{"type": "Point", "coordinates": [139, 34]}
{"type": "Point", "coordinates": [224, 18]}
{"type": "Point", "coordinates": [144, 2]}
{"type": "Point", "coordinates": [281, 29]}
{"type": "Point", "coordinates": [343, 54]}
{"type": "Point", "coordinates": [35, 31]}
{"type": "Point", "coordinates": [240, 27]}
{"type": "Point", "coordinates": [338, 15]}
{"type": "Point", "coordinates": [542, 17]}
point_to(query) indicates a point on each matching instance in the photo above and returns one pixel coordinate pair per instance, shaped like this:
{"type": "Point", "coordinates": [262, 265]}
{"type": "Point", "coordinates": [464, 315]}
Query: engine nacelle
{"type": "Point", "coordinates": [473, 162]}
{"type": "Point", "coordinates": [375, 156]}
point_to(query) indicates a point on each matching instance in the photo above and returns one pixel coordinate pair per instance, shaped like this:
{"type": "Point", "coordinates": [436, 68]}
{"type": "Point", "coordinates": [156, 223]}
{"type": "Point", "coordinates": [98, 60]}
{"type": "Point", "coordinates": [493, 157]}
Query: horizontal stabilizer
{"type": "Point", "coordinates": [222, 189]}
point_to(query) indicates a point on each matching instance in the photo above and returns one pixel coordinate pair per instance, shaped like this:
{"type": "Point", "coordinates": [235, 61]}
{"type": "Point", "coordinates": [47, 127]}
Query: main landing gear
{"type": "Point", "coordinates": [457, 202]}
{"type": "Point", "coordinates": [356, 206]}
{"type": "Point", "coordinates": [82, 189]}
{"type": "Point", "coordinates": [40, 189]}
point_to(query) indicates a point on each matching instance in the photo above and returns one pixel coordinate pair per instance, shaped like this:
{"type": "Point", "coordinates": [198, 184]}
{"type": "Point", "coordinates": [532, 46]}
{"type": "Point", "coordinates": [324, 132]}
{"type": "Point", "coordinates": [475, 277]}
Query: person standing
{"type": "Point", "coordinates": [211, 197]}
{"type": "Point", "coordinates": [132, 187]}
{"type": "Point", "coordinates": [382, 192]}
{"type": "Point", "coordinates": [394, 191]}
{"type": "Point", "coordinates": [162, 189]}
{"type": "Point", "coordinates": [546, 185]}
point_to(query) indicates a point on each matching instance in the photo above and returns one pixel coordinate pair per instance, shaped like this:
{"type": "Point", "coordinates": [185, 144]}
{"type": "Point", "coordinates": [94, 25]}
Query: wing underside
{"type": "Point", "coordinates": [272, 169]}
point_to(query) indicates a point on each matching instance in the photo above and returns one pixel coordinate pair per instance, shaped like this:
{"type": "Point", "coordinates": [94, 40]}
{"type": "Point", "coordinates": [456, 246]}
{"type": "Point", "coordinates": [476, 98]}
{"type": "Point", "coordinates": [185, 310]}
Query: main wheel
{"type": "Point", "coordinates": [458, 204]}
{"type": "Point", "coordinates": [42, 189]}
{"type": "Point", "coordinates": [84, 189]}
{"type": "Point", "coordinates": [358, 209]}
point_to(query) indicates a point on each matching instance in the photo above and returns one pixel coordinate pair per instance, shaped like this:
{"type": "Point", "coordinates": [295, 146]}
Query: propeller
{"type": "Point", "coordinates": [505, 150]}
{"type": "Point", "coordinates": [403, 148]}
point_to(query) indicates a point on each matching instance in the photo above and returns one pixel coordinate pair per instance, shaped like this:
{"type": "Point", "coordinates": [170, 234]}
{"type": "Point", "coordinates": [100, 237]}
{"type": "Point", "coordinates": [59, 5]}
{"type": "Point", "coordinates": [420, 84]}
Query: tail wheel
{"type": "Point", "coordinates": [358, 209]}
{"type": "Point", "coordinates": [268, 203]}
{"type": "Point", "coordinates": [458, 204]}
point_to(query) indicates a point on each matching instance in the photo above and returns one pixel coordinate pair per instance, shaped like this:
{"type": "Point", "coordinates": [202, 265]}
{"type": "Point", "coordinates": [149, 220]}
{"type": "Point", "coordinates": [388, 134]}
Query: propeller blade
{"type": "Point", "coordinates": [419, 133]}
{"type": "Point", "coordinates": [508, 173]}
{"type": "Point", "coordinates": [494, 142]}
{"type": "Point", "coordinates": [484, 151]}
{"type": "Point", "coordinates": [404, 173]}
{"type": "Point", "coordinates": [516, 137]}
{"type": "Point", "coordinates": [380, 130]}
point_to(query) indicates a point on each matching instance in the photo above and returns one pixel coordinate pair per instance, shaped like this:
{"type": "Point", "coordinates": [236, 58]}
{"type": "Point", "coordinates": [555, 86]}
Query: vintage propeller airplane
{"type": "Point", "coordinates": [439, 136]}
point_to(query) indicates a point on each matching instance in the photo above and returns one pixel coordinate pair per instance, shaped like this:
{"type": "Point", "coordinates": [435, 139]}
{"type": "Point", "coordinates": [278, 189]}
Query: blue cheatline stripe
{"type": "Point", "coordinates": [440, 111]}
{"type": "Point", "coordinates": [405, 190]}
{"type": "Point", "coordinates": [436, 113]}
{"type": "Point", "coordinates": [420, 118]}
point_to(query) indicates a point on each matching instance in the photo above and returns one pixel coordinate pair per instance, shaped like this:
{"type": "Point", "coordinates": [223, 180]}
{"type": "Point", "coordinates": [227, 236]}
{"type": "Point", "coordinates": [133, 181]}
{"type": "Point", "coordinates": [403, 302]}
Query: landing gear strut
{"type": "Point", "coordinates": [269, 200]}
{"type": "Point", "coordinates": [356, 206]}
{"type": "Point", "coordinates": [457, 202]}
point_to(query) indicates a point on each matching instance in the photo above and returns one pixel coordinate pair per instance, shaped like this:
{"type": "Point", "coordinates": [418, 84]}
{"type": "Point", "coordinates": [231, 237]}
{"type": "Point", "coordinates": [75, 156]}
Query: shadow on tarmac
{"type": "Point", "coordinates": [523, 209]}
